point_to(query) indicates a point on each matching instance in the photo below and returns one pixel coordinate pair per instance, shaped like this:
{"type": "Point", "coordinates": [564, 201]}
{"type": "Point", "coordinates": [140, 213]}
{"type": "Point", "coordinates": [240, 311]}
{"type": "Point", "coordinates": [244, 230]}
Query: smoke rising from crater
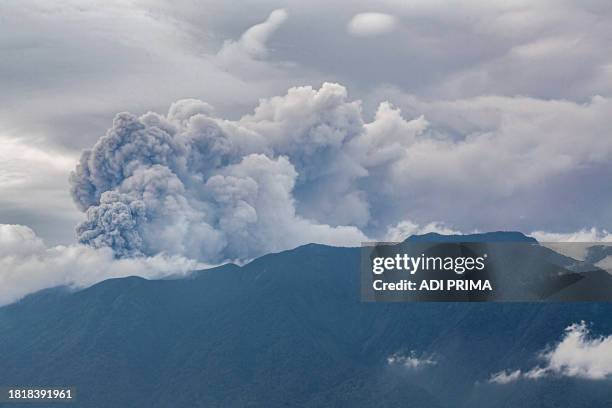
{"type": "Point", "coordinates": [189, 183]}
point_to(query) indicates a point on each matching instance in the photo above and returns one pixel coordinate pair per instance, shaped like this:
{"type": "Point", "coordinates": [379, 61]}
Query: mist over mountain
{"type": "Point", "coordinates": [289, 329]}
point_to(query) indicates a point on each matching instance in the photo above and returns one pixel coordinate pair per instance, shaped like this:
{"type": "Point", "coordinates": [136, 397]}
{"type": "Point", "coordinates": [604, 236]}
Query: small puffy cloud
{"type": "Point", "coordinates": [254, 40]}
{"type": "Point", "coordinates": [505, 377]}
{"type": "Point", "coordinates": [578, 355]}
{"type": "Point", "coordinates": [412, 361]}
{"type": "Point", "coordinates": [252, 46]}
{"type": "Point", "coordinates": [371, 24]}
{"type": "Point", "coordinates": [27, 264]}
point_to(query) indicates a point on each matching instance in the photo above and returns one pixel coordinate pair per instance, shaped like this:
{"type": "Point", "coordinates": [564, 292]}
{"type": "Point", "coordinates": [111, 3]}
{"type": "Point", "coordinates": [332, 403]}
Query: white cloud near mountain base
{"type": "Point", "coordinates": [411, 361]}
{"type": "Point", "coordinates": [27, 264]}
{"type": "Point", "coordinates": [578, 354]}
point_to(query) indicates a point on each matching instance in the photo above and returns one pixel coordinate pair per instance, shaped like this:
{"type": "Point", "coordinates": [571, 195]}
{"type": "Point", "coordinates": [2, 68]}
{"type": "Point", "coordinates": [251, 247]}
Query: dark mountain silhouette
{"type": "Point", "coordinates": [286, 330]}
{"type": "Point", "coordinates": [497, 236]}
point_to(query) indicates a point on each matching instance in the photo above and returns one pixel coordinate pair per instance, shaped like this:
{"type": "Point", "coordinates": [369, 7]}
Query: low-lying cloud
{"type": "Point", "coordinates": [578, 355]}
{"type": "Point", "coordinates": [27, 264]}
{"type": "Point", "coordinates": [411, 361]}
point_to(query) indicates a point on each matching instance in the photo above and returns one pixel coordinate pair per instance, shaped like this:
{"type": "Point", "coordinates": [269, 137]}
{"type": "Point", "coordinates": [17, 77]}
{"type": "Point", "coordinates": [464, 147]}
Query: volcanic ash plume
{"type": "Point", "coordinates": [189, 183]}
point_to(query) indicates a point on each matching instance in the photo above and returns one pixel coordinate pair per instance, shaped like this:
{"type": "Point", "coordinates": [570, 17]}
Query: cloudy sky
{"type": "Point", "coordinates": [257, 127]}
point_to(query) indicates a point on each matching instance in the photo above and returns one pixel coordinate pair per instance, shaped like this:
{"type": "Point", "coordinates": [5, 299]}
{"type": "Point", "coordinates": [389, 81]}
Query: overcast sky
{"type": "Point", "coordinates": [515, 94]}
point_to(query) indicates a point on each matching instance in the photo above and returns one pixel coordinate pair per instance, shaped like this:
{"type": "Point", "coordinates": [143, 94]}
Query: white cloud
{"type": "Point", "coordinates": [253, 41]}
{"type": "Point", "coordinates": [412, 361]}
{"type": "Point", "coordinates": [505, 377]}
{"type": "Point", "coordinates": [578, 355]}
{"type": "Point", "coordinates": [575, 244]}
{"type": "Point", "coordinates": [246, 55]}
{"type": "Point", "coordinates": [495, 154]}
{"type": "Point", "coordinates": [405, 229]}
{"type": "Point", "coordinates": [584, 235]}
{"type": "Point", "coordinates": [28, 265]}
{"type": "Point", "coordinates": [371, 24]}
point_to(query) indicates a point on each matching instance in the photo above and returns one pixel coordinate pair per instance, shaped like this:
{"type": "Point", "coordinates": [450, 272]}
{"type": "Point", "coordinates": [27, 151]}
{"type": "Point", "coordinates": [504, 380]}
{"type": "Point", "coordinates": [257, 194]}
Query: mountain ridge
{"type": "Point", "coordinates": [287, 329]}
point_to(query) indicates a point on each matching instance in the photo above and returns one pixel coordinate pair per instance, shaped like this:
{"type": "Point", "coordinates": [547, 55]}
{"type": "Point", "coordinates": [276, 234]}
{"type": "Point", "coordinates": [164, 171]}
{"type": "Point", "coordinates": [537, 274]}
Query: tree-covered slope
{"type": "Point", "coordinates": [288, 329]}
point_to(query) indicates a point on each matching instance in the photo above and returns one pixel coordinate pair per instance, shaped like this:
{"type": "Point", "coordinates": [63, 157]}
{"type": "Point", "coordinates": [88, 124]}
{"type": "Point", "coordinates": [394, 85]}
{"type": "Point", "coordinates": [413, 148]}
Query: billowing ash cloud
{"type": "Point", "coordinates": [307, 167]}
{"type": "Point", "coordinates": [192, 184]}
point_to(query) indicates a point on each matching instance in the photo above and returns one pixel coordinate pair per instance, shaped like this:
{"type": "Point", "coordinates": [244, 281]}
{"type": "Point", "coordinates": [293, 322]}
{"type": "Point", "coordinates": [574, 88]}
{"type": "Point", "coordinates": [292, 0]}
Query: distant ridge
{"type": "Point", "coordinates": [496, 236]}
